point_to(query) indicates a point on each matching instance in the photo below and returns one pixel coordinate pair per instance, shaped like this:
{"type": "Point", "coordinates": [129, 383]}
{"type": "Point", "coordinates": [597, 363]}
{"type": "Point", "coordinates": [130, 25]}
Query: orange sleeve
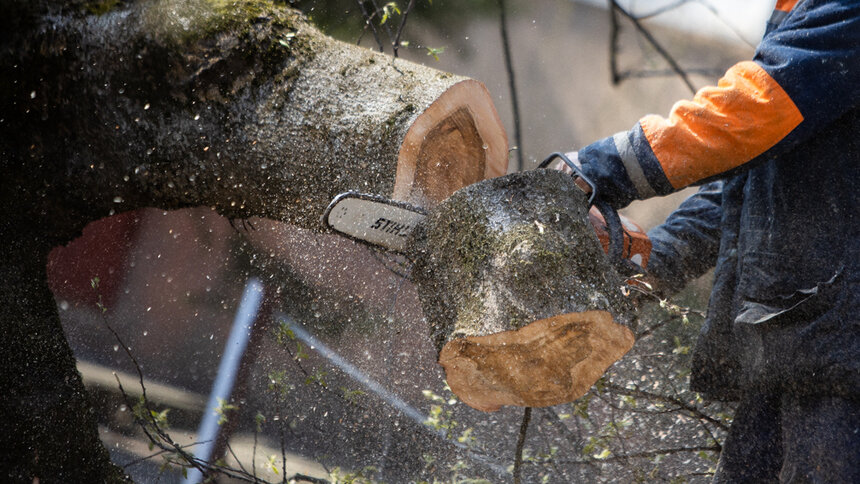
{"type": "Point", "coordinates": [723, 127]}
{"type": "Point", "coordinates": [785, 5]}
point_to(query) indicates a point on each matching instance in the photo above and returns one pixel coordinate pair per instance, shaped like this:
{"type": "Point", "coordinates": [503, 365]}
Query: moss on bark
{"type": "Point", "coordinates": [112, 106]}
{"type": "Point", "coordinates": [505, 252]}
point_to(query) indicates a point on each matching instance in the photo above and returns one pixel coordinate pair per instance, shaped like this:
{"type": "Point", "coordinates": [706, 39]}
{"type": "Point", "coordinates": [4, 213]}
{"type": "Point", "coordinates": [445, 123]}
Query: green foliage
{"type": "Point", "coordinates": [441, 415]}
{"type": "Point", "coordinates": [680, 349]}
{"type": "Point", "coordinates": [387, 10]}
{"type": "Point", "coordinates": [279, 385]}
{"type": "Point", "coordinates": [351, 396]}
{"type": "Point", "coordinates": [223, 409]}
{"type": "Point", "coordinates": [344, 20]}
{"type": "Point", "coordinates": [283, 333]}
{"type": "Point", "coordinates": [363, 476]}
{"type": "Point", "coordinates": [149, 417]}
{"type": "Point", "coordinates": [318, 377]}
{"type": "Point", "coordinates": [435, 51]}
{"type": "Point", "coordinates": [271, 464]}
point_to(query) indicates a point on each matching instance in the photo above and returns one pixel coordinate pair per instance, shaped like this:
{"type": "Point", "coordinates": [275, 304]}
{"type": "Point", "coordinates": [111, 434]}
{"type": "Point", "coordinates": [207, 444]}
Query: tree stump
{"type": "Point", "coordinates": [524, 306]}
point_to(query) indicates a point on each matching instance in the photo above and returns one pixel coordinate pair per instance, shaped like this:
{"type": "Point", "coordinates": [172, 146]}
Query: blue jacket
{"type": "Point", "coordinates": [775, 147]}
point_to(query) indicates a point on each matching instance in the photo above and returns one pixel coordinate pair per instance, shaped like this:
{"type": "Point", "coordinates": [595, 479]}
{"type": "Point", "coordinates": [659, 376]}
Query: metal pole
{"type": "Point", "coordinates": [227, 369]}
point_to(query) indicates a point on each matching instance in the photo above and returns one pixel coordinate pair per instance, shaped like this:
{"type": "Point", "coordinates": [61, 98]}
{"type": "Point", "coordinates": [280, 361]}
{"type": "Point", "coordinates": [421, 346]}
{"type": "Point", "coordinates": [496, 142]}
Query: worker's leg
{"type": "Point", "coordinates": [821, 440]}
{"type": "Point", "coordinates": [752, 452]}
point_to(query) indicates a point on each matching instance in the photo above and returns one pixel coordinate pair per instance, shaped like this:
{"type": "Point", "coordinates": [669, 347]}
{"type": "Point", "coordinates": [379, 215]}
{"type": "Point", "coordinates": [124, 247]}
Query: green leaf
{"type": "Point", "coordinates": [603, 455]}
{"type": "Point", "coordinates": [387, 9]}
{"type": "Point", "coordinates": [435, 51]}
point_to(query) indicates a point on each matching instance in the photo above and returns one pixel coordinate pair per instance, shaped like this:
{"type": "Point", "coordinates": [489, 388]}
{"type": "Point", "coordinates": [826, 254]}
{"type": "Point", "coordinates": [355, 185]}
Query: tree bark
{"type": "Point", "coordinates": [47, 429]}
{"type": "Point", "coordinates": [525, 307]}
{"type": "Point", "coordinates": [238, 105]}
{"type": "Point", "coordinates": [241, 106]}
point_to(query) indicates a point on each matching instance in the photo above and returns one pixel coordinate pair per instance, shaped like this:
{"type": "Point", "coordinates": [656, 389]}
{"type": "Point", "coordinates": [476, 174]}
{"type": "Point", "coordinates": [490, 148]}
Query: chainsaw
{"type": "Point", "coordinates": [384, 223]}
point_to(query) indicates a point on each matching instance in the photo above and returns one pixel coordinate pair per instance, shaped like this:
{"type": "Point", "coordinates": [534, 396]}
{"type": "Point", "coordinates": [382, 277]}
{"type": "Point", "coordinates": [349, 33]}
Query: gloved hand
{"type": "Point", "coordinates": [562, 166]}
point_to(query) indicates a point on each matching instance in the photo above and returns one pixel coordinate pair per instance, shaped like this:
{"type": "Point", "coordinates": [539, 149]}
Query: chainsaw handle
{"type": "Point", "coordinates": [610, 215]}
{"type": "Point", "coordinates": [577, 173]}
{"type": "Point", "coordinates": [616, 232]}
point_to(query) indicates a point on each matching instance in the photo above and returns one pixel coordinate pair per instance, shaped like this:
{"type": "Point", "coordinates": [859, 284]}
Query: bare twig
{"type": "Point", "coordinates": [509, 65]}
{"type": "Point", "coordinates": [143, 459]}
{"type": "Point", "coordinates": [368, 22]}
{"type": "Point", "coordinates": [386, 26]}
{"type": "Point", "coordinates": [662, 9]}
{"type": "Point", "coordinates": [645, 454]}
{"type": "Point", "coordinates": [614, 31]}
{"type": "Point", "coordinates": [725, 22]}
{"type": "Point", "coordinates": [676, 68]}
{"type": "Point", "coordinates": [283, 454]}
{"type": "Point", "coordinates": [521, 441]}
{"type": "Point", "coordinates": [690, 409]}
{"type": "Point", "coordinates": [396, 44]}
{"type": "Point", "coordinates": [230, 449]}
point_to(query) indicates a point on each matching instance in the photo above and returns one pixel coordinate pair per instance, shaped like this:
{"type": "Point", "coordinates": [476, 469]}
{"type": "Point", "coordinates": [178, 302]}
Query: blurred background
{"type": "Point", "coordinates": [339, 380]}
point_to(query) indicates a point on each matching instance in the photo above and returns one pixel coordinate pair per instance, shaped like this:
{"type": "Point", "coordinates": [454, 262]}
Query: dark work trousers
{"type": "Point", "coordinates": [792, 439]}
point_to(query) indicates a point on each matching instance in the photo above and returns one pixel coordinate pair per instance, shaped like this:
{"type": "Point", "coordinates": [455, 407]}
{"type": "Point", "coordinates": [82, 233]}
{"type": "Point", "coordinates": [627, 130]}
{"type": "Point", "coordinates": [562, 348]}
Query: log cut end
{"type": "Point", "coordinates": [548, 362]}
{"type": "Point", "coordinates": [458, 140]}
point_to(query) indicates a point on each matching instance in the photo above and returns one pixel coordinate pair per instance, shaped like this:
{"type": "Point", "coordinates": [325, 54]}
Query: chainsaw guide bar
{"type": "Point", "coordinates": [373, 219]}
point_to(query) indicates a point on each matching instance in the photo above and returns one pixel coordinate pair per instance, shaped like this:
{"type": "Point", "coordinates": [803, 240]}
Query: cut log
{"type": "Point", "coordinates": [242, 106]}
{"type": "Point", "coordinates": [524, 306]}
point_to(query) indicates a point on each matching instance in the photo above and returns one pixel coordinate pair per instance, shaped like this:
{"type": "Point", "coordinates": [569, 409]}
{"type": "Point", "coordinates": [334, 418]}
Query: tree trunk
{"type": "Point", "coordinates": [241, 106]}
{"type": "Point", "coordinates": [524, 305]}
{"type": "Point", "coordinates": [47, 429]}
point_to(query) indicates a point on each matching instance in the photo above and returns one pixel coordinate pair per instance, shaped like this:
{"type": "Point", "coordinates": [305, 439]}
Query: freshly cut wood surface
{"type": "Point", "coordinates": [548, 362]}
{"type": "Point", "coordinates": [458, 140]}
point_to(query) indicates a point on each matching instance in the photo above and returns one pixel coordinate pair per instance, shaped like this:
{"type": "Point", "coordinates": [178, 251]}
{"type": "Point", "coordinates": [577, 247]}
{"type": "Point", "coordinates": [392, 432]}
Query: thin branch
{"type": "Point", "coordinates": [649, 453]}
{"type": "Point", "coordinates": [162, 439]}
{"type": "Point", "coordinates": [143, 459]}
{"type": "Point", "coordinates": [386, 26]}
{"type": "Point", "coordinates": [254, 453]}
{"type": "Point", "coordinates": [283, 454]}
{"type": "Point", "coordinates": [647, 74]}
{"type": "Point", "coordinates": [662, 9]}
{"type": "Point", "coordinates": [690, 409]}
{"type": "Point", "coordinates": [230, 449]}
{"type": "Point", "coordinates": [400, 28]}
{"type": "Point", "coordinates": [521, 441]}
{"type": "Point", "coordinates": [368, 22]}
{"type": "Point", "coordinates": [676, 68]}
{"type": "Point", "coordinates": [305, 478]}
{"type": "Point", "coordinates": [725, 22]}
{"type": "Point", "coordinates": [614, 32]}
{"type": "Point", "coordinates": [515, 104]}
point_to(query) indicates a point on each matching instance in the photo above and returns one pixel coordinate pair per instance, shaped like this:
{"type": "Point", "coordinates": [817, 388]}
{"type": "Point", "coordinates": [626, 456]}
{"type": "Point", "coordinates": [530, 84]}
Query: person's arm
{"type": "Point", "coordinates": [805, 74]}
{"type": "Point", "coordinates": [686, 245]}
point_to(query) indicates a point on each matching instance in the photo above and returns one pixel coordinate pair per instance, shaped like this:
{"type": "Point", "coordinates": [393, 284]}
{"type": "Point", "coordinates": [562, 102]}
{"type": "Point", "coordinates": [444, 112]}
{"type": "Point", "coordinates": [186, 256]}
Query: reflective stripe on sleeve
{"type": "Point", "coordinates": [631, 165]}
